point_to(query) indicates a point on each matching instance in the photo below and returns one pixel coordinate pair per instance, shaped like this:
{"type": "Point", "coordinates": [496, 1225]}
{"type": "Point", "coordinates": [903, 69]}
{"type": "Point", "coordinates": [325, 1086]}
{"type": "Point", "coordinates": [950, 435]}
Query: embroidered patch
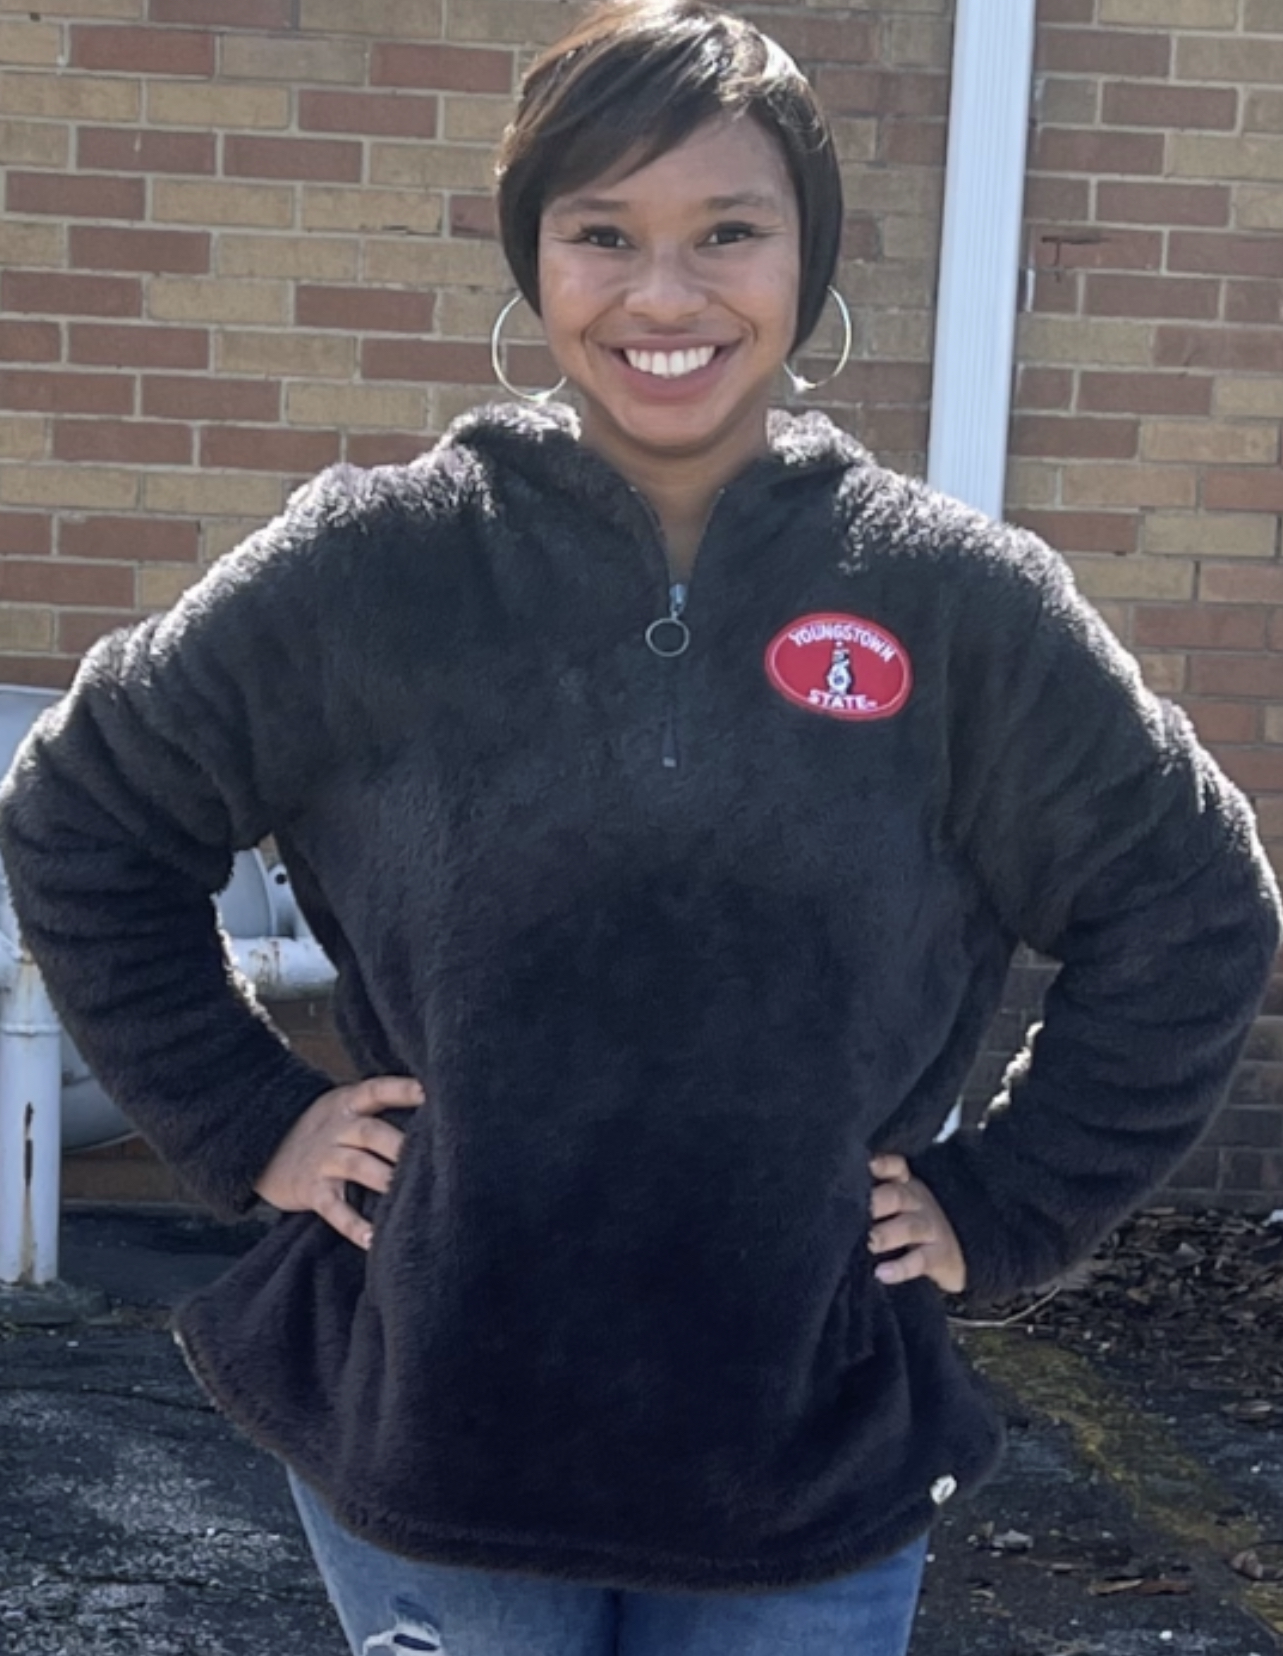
{"type": "Point", "coordinates": [841, 665]}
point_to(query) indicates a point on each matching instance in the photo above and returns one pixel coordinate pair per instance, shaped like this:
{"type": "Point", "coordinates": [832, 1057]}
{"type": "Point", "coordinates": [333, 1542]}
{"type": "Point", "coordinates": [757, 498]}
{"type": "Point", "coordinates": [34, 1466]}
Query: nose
{"type": "Point", "coordinates": [664, 288]}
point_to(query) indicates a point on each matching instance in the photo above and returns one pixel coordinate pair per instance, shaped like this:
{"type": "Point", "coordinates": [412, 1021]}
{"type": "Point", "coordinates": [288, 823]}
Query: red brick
{"type": "Point", "coordinates": [425, 361]}
{"type": "Point", "coordinates": [1244, 491]}
{"type": "Point", "coordinates": [132, 539]}
{"type": "Point", "coordinates": [253, 449]}
{"type": "Point", "coordinates": [326, 159]}
{"type": "Point", "coordinates": [1256, 770]}
{"type": "Point", "coordinates": [475, 215]}
{"type": "Point", "coordinates": [386, 115]}
{"type": "Point", "coordinates": [176, 396]}
{"type": "Point", "coordinates": [185, 252]}
{"type": "Point", "coordinates": [1223, 255]}
{"type": "Point", "coordinates": [52, 392]}
{"type": "Point", "coordinates": [1104, 52]}
{"type": "Point", "coordinates": [54, 294]}
{"type": "Point", "coordinates": [1257, 350]}
{"type": "Point", "coordinates": [1152, 296]}
{"type": "Point", "coordinates": [442, 68]}
{"type": "Point", "coordinates": [894, 430]}
{"type": "Point", "coordinates": [861, 235]}
{"type": "Point", "coordinates": [1254, 302]}
{"type": "Point", "coordinates": [1224, 721]}
{"type": "Point", "coordinates": [1065, 11]}
{"type": "Point", "coordinates": [382, 448]}
{"type": "Point", "coordinates": [365, 310]}
{"type": "Point", "coordinates": [1102, 391]}
{"type": "Point", "coordinates": [30, 342]}
{"type": "Point", "coordinates": [823, 39]}
{"type": "Point", "coordinates": [1056, 200]}
{"type": "Point", "coordinates": [27, 533]}
{"type": "Point", "coordinates": [60, 581]}
{"type": "Point", "coordinates": [1241, 584]}
{"type": "Point", "coordinates": [139, 346]}
{"type": "Point", "coordinates": [47, 672]}
{"type": "Point", "coordinates": [884, 382]}
{"type": "Point", "coordinates": [1091, 249]}
{"type": "Point", "coordinates": [140, 442]}
{"type": "Point", "coordinates": [1084, 531]}
{"type": "Point", "coordinates": [1056, 292]}
{"type": "Point", "coordinates": [1259, 676]}
{"type": "Point", "coordinates": [914, 143]}
{"type": "Point", "coordinates": [1198, 627]}
{"type": "Point", "coordinates": [129, 149]}
{"type": "Point", "coordinates": [141, 50]}
{"type": "Point", "coordinates": [1276, 643]}
{"type": "Point", "coordinates": [67, 196]}
{"type": "Point", "coordinates": [79, 629]}
{"type": "Point", "coordinates": [1209, 109]}
{"type": "Point", "coordinates": [225, 14]}
{"type": "Point", "coordinates": [1074, 438]}
{"type": "Point", "coordinates": [883, 92]}
{"type": "Point", "coordinates": [1120, 203]}
{"type": "Point", "coordinates": [1080, 150]}
{"type": "Point", "coordinates": [1044, 387]}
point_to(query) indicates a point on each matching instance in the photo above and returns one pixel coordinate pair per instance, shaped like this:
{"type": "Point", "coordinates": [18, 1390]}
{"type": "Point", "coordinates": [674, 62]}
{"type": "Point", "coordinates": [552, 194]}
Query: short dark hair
{"type": "Point", "coordinates": [634, 80]}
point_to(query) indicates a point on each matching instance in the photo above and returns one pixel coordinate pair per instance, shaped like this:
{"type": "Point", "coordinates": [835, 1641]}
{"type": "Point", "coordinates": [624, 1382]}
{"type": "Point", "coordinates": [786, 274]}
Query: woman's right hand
{"type": "Point", "coordinates": [340, 1138]}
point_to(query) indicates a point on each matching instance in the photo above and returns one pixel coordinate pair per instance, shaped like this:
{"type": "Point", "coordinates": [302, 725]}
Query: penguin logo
{"type": "Point", "coordinates": [839, 677]}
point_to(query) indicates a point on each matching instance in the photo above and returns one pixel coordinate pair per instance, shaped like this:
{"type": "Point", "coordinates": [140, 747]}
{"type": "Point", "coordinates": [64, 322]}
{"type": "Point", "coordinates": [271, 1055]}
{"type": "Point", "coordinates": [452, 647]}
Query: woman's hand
{"type": "Point", "coordinates": [906, 1215]}
{"type": "Point", "coordinates": [339, 1137]}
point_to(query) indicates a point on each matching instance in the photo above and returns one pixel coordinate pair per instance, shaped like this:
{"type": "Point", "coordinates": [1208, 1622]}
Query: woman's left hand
{"type": "Point", "coordinates": [906, 1215]}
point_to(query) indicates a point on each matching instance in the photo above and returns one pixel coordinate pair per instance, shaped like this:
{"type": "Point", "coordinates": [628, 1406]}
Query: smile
{"type": "Point", "coordinates": [670, 364]}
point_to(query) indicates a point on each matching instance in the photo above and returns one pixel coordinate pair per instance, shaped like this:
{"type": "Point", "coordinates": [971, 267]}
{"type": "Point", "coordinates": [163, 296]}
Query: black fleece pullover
{"type": "Point", "coordinates": [674, 943]}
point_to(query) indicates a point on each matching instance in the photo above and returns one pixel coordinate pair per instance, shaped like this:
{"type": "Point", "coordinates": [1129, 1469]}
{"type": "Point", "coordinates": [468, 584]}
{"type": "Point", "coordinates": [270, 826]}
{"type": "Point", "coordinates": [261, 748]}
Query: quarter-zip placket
{"type": "Point", "coordinates": [669, 635]}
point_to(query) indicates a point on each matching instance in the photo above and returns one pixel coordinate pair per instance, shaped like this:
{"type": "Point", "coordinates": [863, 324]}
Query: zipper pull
{"type": "Point", "coordinates": [670, 636]}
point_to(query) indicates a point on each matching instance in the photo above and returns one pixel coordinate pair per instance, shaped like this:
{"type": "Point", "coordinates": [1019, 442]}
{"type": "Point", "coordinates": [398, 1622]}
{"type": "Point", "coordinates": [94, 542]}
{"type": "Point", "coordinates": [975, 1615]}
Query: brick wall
{"type": "Point", "coordinates": [243, 238]}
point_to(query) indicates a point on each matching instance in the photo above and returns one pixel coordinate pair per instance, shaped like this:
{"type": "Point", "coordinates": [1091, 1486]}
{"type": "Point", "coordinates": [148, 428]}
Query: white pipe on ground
{"type": "Point", "coordinates": [30, 1129]}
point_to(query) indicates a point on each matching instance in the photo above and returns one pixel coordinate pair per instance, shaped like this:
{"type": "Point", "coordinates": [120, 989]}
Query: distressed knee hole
{"type": "Point", "coordinates": [404, 1635]}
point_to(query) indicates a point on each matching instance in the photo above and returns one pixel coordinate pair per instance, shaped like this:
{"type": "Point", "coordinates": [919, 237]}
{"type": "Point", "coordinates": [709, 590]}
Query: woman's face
{"type": "Point", "coordinates": [669, 298]}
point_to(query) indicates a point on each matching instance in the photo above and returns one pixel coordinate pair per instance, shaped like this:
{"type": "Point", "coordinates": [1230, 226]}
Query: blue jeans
{"type": "Point", "coordinates": [394, 1604]}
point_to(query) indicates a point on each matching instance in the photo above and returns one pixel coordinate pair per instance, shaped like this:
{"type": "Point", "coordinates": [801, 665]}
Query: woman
{"type": "Point", "coordinates": [670, 787]}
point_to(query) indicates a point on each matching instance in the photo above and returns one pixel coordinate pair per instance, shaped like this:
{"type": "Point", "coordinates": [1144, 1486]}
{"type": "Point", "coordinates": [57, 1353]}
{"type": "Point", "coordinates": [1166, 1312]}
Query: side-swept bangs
{"type": "Point", "coordinates": [635, 79]}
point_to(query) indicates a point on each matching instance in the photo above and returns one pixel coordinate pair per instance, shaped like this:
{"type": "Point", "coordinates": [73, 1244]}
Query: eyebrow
{"type": "Point", "coordinates": [714, 204]}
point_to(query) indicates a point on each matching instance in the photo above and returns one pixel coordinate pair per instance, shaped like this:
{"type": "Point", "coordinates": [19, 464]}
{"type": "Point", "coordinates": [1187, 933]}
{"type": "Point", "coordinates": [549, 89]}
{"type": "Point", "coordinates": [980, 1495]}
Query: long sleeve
{"type": "Point", "coordinates": [1108, 839]}
{"type": "Point", "coordinates": [179, 744]}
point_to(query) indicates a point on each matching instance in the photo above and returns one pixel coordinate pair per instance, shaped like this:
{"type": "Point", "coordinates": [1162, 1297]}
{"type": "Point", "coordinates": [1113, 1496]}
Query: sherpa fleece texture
{"type": "Point", "coordinates": [671, 955]}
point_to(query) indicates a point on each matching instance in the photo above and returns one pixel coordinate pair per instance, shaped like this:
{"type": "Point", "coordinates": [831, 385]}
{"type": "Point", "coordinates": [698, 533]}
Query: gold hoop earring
{"type": "Point", "coordinates": [802, 385]}
{"type": "Point", "coordinates": [497, 365]}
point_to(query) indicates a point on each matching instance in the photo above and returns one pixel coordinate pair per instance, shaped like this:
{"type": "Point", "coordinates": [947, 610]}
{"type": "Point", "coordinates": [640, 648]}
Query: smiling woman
{"type": "Point", "coordinates": [670, 784]}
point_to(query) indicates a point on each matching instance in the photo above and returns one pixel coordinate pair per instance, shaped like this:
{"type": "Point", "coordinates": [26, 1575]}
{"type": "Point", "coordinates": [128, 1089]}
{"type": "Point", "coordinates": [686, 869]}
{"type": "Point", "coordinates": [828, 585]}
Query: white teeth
{"type": "Point", "coordinates": [671, 364]}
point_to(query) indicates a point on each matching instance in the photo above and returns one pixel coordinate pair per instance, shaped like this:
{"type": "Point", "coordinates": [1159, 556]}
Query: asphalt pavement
{"type": "Point", "coordinates": [135, 1522]}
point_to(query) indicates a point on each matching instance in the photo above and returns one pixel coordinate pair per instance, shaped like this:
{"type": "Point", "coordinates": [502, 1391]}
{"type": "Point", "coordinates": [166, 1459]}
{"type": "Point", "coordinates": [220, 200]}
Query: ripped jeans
{"type": "Point", "coordinates": [396, 1605]}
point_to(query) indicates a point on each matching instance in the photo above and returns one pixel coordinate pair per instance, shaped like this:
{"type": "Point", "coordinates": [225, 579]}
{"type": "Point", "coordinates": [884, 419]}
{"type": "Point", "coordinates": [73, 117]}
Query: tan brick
{"type": "Point", "coordinates": [1099, 483]}
{"type": "Point", "coordinates": [23, 627]}
{"type": "Point", "coordinates": [306, 355]}
{"type": "Point", "coordinates": [160, 585]}
{"type": "Point", "coordinates": [179, 103]}
{"type": "Point", "coordinates": [221, 535]}
{"type": "Point", "coordinates": [448, 402]}
{"type": "Point", "coordinates": [1067, 102]}
{"type": "Point", "coordinates": [1110, 577]}
{"type": "Point", "coordinates": [390, 19]}
{"type": "Point", "coordinates": [23, 437]}
{"type": "Point", "coordinates": [463, 313]}
{"type": "Point", "coordinates": [1263, 112]}
{"type": "Point", "coordinates": [1032, 483]}
{"type": "Point", "coordinates": [226, 494]}
{"type": "Point", "coordinates": [1254, 62]}
{"type": "Point", "coordinates": [1254, 396]}
{"type": "Point", "coordinates": [371, 211]}
{"type": "Point", "coordinates": [68, 486]}
{"type": "Point", "coordinates": [1258, 209]}
{"type": "Point", "coordinates": [495, 22]}
{"type": "Point", "coordinates": [431, 166]}
{"type": "Point", "coordinates": [1263, 17]}
{"type": "Point", "coordinates": [198, 299]}
{"type": "Point", "coordinates": [900, 336]}
{"type": "Point", "coordinates": [1171, 14]}
{"type": "Point", "coordinates": [39, 44]}
{"type": "Point", "coordinates": [70, 97]}
{"type": "Point", "coordinates": [916, 40]}
{"type": "Point", "coordinates": [31, 246]}
{"type": "Point", "coordinates": [918, 191]}
{"type": "Point", "coordinates": [314, 257]}
{"type": "Point", "coordinates": [1249, 157]}
{"type": "Point", "coordinates": [1198, 441]}
{"type": "Point", "coordinates": [1208, 534]}
{"type": "Point", "coordinates": [175, 201]}
{"type": "Point", "coordinates": [421, 263]}
{"type": "Point", "coordinates": [1093, 342]}
{"type": "Point", "coordinates": [855, 139]}
{"type": "Point", "coordinates": [475, 120]}
{"type": "Point", "coordinates": [293, 62]}
{"type": "Point", "coordinates": [355, 405]}
{"type": "Point", "coordinates": [1164, 674]}
{"type": "Point", "coordinates": [909, 238]}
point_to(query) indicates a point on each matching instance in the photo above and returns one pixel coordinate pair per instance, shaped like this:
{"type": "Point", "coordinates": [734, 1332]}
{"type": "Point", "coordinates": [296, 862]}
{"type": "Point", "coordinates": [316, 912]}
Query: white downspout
{"type": "Point", "coordinates": [975, 340]}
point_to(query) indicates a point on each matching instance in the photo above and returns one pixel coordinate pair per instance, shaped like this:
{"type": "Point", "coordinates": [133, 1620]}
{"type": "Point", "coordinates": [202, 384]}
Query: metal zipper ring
{"type": "Point", "coordinates": [677, 645]}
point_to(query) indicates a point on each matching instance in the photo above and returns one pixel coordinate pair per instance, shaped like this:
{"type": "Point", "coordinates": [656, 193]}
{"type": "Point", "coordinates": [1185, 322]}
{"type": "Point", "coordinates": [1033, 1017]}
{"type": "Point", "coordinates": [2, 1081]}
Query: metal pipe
{"type": "Point", "coordinates": [283, 968]}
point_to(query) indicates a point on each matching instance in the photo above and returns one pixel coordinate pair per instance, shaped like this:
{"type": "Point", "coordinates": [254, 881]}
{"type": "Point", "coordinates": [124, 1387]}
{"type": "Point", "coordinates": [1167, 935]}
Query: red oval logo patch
{"type": "Point", "coordinates": [841, 665]}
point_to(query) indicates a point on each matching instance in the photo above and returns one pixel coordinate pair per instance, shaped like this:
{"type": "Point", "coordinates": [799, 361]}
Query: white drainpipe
{"type": "Point", "coordinates": [993, 46]}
